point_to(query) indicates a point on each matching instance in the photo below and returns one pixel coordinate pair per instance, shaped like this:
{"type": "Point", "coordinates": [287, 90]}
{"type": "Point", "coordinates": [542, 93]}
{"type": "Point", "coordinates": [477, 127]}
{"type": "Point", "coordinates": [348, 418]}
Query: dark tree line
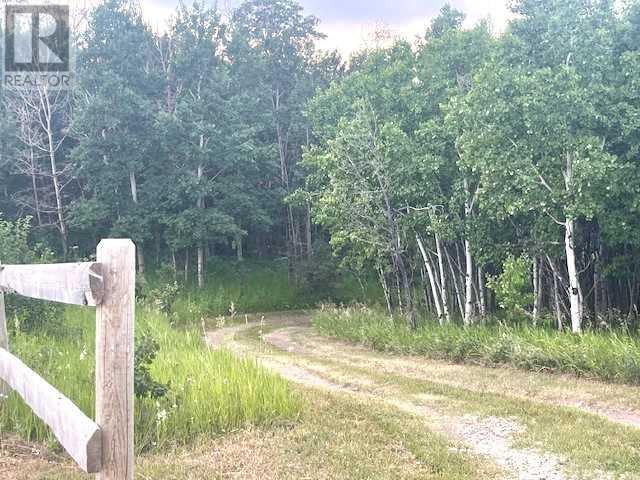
{"type": "Point", "coordinates": [187, 141]}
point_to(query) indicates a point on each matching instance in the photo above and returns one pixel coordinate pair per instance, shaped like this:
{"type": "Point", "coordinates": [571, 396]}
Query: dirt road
{"type": "Point", "coordinates": [493, 413]}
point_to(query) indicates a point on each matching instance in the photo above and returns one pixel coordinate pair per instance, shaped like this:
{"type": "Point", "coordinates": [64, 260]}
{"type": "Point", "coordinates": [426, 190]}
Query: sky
{"type": "Point", "coordinates": [350, 24]}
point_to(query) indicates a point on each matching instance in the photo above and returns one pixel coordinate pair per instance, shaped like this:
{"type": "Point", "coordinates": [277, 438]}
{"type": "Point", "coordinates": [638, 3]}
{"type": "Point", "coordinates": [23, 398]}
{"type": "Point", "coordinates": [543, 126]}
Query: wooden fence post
{"type": "Point", "coordinates": [4, 343]}
{"type": "Point", "coordinates": [114, 358]}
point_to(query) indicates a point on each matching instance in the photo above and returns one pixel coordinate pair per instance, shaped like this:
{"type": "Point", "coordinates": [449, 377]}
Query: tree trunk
{"type": "Point", "coordinates": [556, 303]}
{"type": "Point", "coordinates": [134, 196]}
{"type": "Point", "coordinates": [34, 186]}
{"type": "Point", "coordinates": [396, 272]}
{"type": "Point", "coordinates": [201, 206]}
{"type": "Point", "coordinates": [385, 289]}
{"type": "Point", "coordinates": [456, 286]}
{"type": "Point", "coordinates": [599, 286]}
{"type": "Point", "coordinates": [575, 297]}
{"type": "Point", "coordinates": [309, 237]}
{"type": "Point", "coordinates": [575, 294]}
{"type": "Point", "coordinates": [175, 264]}
{"type": "Point", "coordinates": [239, 254]}
{"type": "Point", "coordinates": [186, 265]}
{"type": "Point", "coordinates": [537, 292]}
{"type": "Point", "coordinates": [482, 293]}
{"type": "Point", "coordinates": [428, 307]}
{"type": "Point", "coordinates": [432, 280]}
{"type": "Point", "coordinates": [58, 191]}
{"type": "Point", "coordinates": [406, 288]}
{"type": "Point", "coordinates": [468, 303]}
{"type": "Point", "coordinates": [200, 267]}
{"type": "Point", "coordinates": [292, 234]}
{"type": "Point", "coordinates": [443, 279]}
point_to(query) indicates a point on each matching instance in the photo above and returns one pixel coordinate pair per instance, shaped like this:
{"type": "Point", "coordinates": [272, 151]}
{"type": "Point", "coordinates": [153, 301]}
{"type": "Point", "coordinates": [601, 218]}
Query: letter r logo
{"type": "Point", "coordinates": [36, 38]}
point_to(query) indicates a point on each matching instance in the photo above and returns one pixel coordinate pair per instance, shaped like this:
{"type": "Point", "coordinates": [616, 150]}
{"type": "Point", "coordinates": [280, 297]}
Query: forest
{"type": "Point", "coordinates": [418, 262]}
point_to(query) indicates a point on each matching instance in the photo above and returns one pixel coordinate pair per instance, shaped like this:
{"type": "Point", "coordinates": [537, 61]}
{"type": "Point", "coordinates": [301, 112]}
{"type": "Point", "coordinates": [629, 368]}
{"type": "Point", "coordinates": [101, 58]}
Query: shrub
{"type": "Point", "coordinates": [25, 314]}
{"type": "Point", "coordinates": [513, 286]}
{"type": "Point", "coordinates": [144, 384]}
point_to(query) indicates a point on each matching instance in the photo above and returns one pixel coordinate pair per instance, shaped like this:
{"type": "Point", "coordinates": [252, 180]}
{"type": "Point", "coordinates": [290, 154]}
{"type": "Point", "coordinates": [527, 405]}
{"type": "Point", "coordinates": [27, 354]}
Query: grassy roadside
{"type": "Point", "coordinates": [208, 393]}
{"type": "Point", "coordinates": [609, 356]}
{"type": "Point", "coordinates": [336, 437]}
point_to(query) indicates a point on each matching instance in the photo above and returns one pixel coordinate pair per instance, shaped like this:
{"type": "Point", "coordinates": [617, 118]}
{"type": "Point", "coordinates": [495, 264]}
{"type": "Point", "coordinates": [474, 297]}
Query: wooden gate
{"type": "Point", "coordinates": [103, 446]}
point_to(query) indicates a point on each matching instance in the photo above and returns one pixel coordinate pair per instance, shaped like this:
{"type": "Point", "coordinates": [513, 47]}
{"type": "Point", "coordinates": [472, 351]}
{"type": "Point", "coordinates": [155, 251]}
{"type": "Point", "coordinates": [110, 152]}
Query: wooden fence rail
{"type": "Point", "coordinates": [105, 446]}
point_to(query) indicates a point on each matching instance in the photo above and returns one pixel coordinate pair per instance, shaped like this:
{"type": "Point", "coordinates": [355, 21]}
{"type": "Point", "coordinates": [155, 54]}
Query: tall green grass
{"type": "Point", "coordinates": [210, 392]}
{"type": "Point", "coordinates": [253, 286]}
{"type": "Point", "coordinates": [610, 356]}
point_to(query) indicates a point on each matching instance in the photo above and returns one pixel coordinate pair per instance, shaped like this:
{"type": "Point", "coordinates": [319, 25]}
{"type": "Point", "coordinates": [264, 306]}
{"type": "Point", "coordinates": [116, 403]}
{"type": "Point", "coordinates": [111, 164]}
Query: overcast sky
{"type": "Point", "coordinates": [348, 24]}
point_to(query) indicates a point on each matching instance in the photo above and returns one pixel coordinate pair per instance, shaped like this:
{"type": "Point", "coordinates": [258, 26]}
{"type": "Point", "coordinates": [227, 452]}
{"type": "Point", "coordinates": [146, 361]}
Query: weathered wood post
{"type": "Point", "coordinates": [114, 358]}
{"type": "Point", "coordinates": [4, 342]}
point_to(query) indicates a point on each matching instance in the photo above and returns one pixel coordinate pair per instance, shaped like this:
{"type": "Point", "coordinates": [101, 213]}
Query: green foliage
{"type": "Point", "coordinates": [25, 315]}
{"type": "Point", "coordinates": [210, 392]}
{"type": "Point", "coordinates": [163, 296]}
{"type": "Point", "coordinates": [144, 384]}
{"type": "Point", "coordinates": [513, 286]}
{"type": "Point", "coordinates": [14, 241]}
{"type": "Point", "coordinates": [610, 356]}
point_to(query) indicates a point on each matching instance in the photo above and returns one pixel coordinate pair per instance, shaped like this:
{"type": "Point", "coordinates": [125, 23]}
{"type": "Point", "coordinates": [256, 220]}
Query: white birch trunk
{"type": "Point", "coordinates": [468, 299]}
{"type": "Point", "coordinates": [309, 236]}
{"type": "Point", "coordinates": [456, 287]}
{"type": "Point", "coordinates": [556, 303]}
{"type": "Point", "coordinates": [186, 265]}
{"type": "Point", "coordinates": [385, 288]}
{"type": "Point", "coordinates": [432, 280]}
{"type": "Point", "coordinates": [34, 185]}
{"type": "Point", "coordinates": [56, 186]}
{"type": "Point", "coordinates": [575, 298]}
{"type": "Point", "coordinates": [468, 303]}
{"type": "Point", "coordinates": [482, 293]}
{"type": "Point", "coordinates": [200, 267]}
{"type": "Point", "coordinates": [200, 205]}
{"type": "Point", "coordinates": [537, 292]}
{"type": "Point", "coordinates": [575, 294]}
{"type": "Point", "coordinates": [443, 279]}
{"type": "Point", "coordinates": [133, 184]}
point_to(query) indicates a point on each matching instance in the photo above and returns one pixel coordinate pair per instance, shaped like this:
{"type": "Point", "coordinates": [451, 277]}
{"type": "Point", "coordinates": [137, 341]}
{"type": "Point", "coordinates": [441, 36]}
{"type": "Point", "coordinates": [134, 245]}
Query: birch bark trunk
{"type": "Point", "coordinates": [468, 304]}
{"type": "Point", "coordinates": [200, 205]}
{"type": "Point", "coordinates": [56, 185]}
{"type": "Point", "coordinates": [308, 230]}
{"type": "Point", "coordinates": [575, 295]}
{"type": "Point", "coordinates": [385, 289]}
{"type": "Point", "coordinates": [133, 184]}
{"type": "Point", "coordinates": [434, 289]}
{"type": "Point", "coordinates": [482, 293]}
{"type": "Point", "coordinates": [34, 185]}
{"type": "Point", "coordinates": [556, 303]}
{"type": "Point", "coordinates": [537, 291]}
{"type": "Point", "coordinates": [443, 279]}
{"type": "Point", "coordinates": [456, 287]}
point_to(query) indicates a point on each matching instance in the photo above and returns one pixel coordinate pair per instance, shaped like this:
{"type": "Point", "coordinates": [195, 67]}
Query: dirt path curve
{"type": "Point", "coordinates": [289, 347]}
{"type": "Point", "coordinates": [617, 403]}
